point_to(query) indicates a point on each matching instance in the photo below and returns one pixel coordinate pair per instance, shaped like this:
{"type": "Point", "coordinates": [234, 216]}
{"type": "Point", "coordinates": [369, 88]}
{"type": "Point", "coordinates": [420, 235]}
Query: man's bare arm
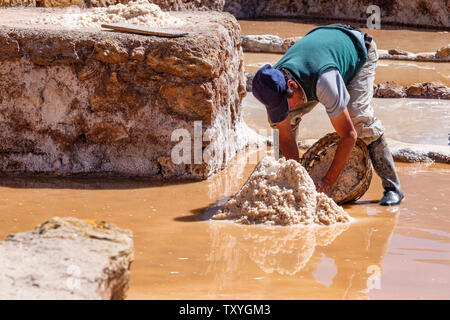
{"type": "Point", "coordinates": [344, 128]}
{"type": "Point", "coordinates": [288, 145]}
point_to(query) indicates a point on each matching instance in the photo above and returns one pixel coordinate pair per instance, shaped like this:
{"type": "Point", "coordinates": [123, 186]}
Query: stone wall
{"type": "Point", "coordinates": [398, 12]}
{"type": "Point", "coordinates": [16, 3]}
{"type": "Point", "coordinates": [81, 102]}
{"type": "Point", "coordinates": [67, 258]}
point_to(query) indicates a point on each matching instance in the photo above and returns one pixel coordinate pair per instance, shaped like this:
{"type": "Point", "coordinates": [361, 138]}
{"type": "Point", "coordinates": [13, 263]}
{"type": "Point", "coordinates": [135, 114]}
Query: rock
{"type": "Point", "coordinates": [190, 100]}
{"type": "Point", "coordinates": [409, 152]}
{"type": "Point", "coordinates": [409, 56]}
{"type": "Point", "coordinates": [289, 42]}
{"type": "Point", "coordinates": [398, 52]}
{"type": "Point", "coordinates": [249, 77]}
{"type": "Point", "coordinates": [425, 56]}
{"type": "Point", "coordinates": [67, 258]}
{"type": "Point", "coordinates": [89, 70]}
{"type": "Point", "coordinates": [432, 90]}
{"type": "Point", "coordinates": [138, 54]}
{"type": "Point", "coordinates": [45, 53]}
{"type": "Point", "coordinates": [389, 90]}
{"type": "Point", "coordinates": [105, 132]}
{"type": "Point", "coordinates": [443, 52]}
{"type": "Point", "coordinates": [110, 52]}
{"type": "Point", "coordinates": [109, 103]}
{"type": "Point", "coordinates": [414, 90]}
{"type": "Point", "coordinates": [9, 48]}
{"type": "Point", "coordinates": [435, 90]}
{"type": "Point", "coordinates": [60, 3]}
{"type": "Point", "coordinates": [185, 63]}
{"type": "Point", "coordinates": [100, 3]}
{"type": "Point", "coordinates": [267, 43]}
{"type": "Point", "coordinates": [16, 3]}
{"type": "Point", "coordinates": [263, 43]}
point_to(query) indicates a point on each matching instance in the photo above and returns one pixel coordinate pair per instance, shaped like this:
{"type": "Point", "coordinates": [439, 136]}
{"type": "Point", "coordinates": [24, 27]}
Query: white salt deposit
{"type": "Point", "coordinates": [139, 12]}
{"type": "Point", "coordinates": [281, 193]}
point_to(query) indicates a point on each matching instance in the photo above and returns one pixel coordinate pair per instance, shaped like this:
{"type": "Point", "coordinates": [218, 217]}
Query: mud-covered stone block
{"type": "Point", "coordinates": [60, 3]}
{"type": "Point", "coordinates": [108, 103]}
{"type": "Point", "coordinates": [67, 258]}
{"type": "Point", "coordinates": [17, 3]}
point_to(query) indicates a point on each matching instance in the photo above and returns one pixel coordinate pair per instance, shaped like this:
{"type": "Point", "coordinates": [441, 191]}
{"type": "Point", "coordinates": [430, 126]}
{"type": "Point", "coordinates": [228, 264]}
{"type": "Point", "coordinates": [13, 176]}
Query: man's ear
{"type": "Point", "coordinates": [292, 84]}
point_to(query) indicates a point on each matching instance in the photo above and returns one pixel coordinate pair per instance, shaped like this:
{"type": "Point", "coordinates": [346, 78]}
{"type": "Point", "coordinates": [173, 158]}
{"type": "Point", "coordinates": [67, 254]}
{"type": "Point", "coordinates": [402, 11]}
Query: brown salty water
{"type": "Point", "coordinates": [400, 252]}
{"type": "Point", "coordinates": [413, 40]}
{"type": "Point", "coordinates": [402, 72]}
{"type": "Point", "coordinates": [423, 121]}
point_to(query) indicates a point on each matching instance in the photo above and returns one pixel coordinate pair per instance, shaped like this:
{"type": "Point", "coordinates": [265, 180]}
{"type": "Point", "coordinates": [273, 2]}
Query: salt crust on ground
{"type": "Point", "coordinates": [281, 193]}
{"type": "Point", "coordinates": [139, 12]}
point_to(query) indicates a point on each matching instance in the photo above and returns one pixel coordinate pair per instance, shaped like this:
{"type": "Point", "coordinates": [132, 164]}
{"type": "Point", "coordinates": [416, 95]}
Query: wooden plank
{"type": "Point", "coordinates": [161, 32]}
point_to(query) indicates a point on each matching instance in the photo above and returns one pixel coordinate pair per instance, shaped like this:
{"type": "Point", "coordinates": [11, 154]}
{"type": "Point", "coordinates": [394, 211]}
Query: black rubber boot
{"type": "Point", "coordinates": [384, 166]}
{"type": "Point", "coordinates": [391, 198]}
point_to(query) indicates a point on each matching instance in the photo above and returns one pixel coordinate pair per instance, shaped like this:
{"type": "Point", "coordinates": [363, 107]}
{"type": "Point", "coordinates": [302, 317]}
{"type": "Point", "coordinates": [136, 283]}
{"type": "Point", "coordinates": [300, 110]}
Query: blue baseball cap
{"type": "Point", "coordinates": [269, 87]}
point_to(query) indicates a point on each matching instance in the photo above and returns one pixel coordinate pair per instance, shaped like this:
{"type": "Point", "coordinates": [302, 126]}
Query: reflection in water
{"type": "Point", "coordinates": [360, 266]}
{"type": "Point", "coordinates": [326, 271]}
{"type": "Point", "coordinates": [274, 250]}
{"type": "Point", "coordinates": [340, 261]}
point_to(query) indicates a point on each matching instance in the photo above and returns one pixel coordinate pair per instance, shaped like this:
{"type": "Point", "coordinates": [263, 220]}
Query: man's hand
{"type": "Point", "coordinates": [288, 145]}
{"type": "Point", "coordinates": [323, 186]}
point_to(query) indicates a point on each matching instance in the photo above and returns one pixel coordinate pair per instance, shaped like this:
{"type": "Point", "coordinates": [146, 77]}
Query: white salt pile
{"type": "Point", "coordinates": [139, 12]}
{"type": "Point", "coordinates": [281, 193]}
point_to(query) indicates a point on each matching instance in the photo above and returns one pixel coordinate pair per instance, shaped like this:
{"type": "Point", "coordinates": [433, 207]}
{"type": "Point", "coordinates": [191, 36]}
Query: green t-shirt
{"type": "Point", "coordinates": [322, 48]}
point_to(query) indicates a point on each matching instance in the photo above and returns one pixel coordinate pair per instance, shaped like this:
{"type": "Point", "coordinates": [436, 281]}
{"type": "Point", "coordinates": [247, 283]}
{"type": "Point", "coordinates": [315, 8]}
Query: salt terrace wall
{"type": "Point", "coordinates": [81, 102]}
{"type": "Point", "coordinates": [398, 12]}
